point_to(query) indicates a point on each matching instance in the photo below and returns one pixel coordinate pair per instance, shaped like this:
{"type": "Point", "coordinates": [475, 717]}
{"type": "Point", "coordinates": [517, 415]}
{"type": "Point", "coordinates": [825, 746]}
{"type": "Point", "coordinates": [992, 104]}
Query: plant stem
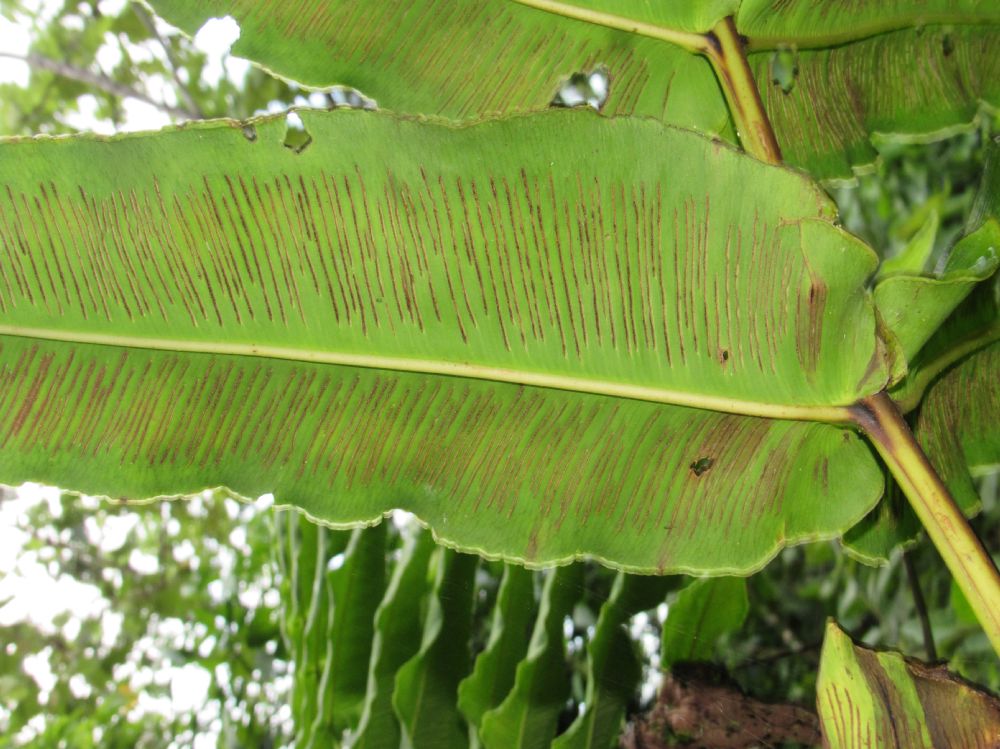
{"type": "Point", "coordinates": [727, 53]}
{"type": "Point", "coordinates": [921, 606]}
{"type": "Point", "coordinates": [944, 522]}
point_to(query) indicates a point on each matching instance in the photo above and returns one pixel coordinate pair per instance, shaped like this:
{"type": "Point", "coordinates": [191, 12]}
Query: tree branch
{"type": "Point", "coordinates": [190, 104]}
{"type": "Point", "coordinates": [97, 80]}
{"type": "Point", "coordinates": [697, 710]}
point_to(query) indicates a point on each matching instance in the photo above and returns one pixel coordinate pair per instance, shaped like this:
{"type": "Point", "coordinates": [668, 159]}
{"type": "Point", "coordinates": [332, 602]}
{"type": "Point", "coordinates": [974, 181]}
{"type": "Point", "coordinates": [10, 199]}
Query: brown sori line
{"type": "Point", "coordinates": [166, 246]}
{"type": "Point", "coordinates": [14, 402]}
{"type": "Point", "coordinates": [369, 244]}
{"type": "Point", "coordinates": [149, 259]}
{"type": "Point", "coordinates": [285, 289]}
{"type": "Point", "coordinates": [38, 429]}
{"type": "Point", "coordinates": [571, 280]}
{"type": "Point", "coordinates": [578, 244]}
{"type": "Point", "coordinates": [359, 297]}
{"type": "Point", "coordinates": [410, 215]}
{"type": "Point", "coordinates": [455, 255]}
{"type": "Point", "coordinates": [541, 426]}
{"type": "Point", "coordinates": [9, 255]}
{"type": "Point", "coordinates": [150, 392]}
{"type": "Point", "coordinates": [407, 276]}
{"type": "Point", "coordinates": [230, 229]}
{"type": "Point", "coordinates": [498, 248]}
{"type": "Point", "coordinates": [33, 223]}
{"type": "Point", "coordinates": [374, 433]}
{"type": "Point", "coordinates": [102, 212]}
{"type": "Point", "coordinates": [534, 201]}
{"type": "Point", "coordinates": [185, 283]}
{"type": "Point", "coordinates": [640, 446]}
{"type": "Point", "coordinates": [26, 249]}
{"type": "Point", "coordinates": [300, 242]}
{"type": "Point", "coordinates": [58, 225]}
{"type": "Point", "coordinates": [623, 293]}
{"type": "Point", "coordinates": [343, 246]}
{"type": "Point", "coordinates": [522, 250]}
{"type": "Point", "coordinates": [324, 247]}
{"type": "Point", "coordinates": [678, 306]}
{"type": "Point", "coordinates": [217, 230]}
{"type": "Point", "coordinates": [44, 211]}
{"type": "Point", "coordinates": [157, 448]}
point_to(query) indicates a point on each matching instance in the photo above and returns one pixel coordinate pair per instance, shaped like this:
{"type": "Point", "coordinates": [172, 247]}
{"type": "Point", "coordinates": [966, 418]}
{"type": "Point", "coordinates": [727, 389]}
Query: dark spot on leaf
{"type": "Point", "coordinates": [250, 133]}
{"type": "Point", "coordinates": [701, 465]}
{"type": "Point", "coordinates": [723, 355]}
{"type": "Point", "coordinates": [947, 45]}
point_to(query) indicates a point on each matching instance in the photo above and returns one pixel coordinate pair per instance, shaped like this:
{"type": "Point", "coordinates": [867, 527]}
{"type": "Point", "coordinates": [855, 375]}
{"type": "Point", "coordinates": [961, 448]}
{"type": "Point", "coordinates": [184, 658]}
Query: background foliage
{"type": "Point", "coordinates": [210, 583]}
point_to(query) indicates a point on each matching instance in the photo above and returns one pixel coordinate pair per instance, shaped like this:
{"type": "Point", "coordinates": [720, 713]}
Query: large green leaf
{"type": "Point", "coordinates": [869, 699]}
{"type": "Point", "coordinates": [825, 117]}
{"type": "Point", "coordinates": [464, 59]}
{"type": "Point", "coordinates": [469, 58]}
{"type": "Point", "coordinates": [356, 589]}
{"type": "Point", "coordinates": [175, 303]}
{"type": "Point", "coordinates": [774, 23]}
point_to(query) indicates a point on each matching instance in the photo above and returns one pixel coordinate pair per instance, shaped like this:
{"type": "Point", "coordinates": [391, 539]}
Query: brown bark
{"type": "Point", "coordinates": [696, 711]}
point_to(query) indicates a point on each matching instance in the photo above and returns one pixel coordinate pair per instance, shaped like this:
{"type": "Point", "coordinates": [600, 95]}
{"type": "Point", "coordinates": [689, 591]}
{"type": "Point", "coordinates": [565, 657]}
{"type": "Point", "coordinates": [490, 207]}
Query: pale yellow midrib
{"type": "Point", "coordinates": [830, 414]}
{"type": "Point", "coordinates": [690, 41]}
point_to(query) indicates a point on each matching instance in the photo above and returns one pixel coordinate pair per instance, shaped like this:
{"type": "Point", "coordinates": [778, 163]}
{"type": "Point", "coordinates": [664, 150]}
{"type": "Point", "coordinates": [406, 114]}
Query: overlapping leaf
{"type": "Point", "coordinates": [839, 97]}
{"type": "Point", "coordinates": [867, 699]}
{"type": "Point", "coordinates": [471, 58]}
{"type": "Point", "coordinates": [467, 59]}
{"type": "Point", "coordinates": [172, 306]}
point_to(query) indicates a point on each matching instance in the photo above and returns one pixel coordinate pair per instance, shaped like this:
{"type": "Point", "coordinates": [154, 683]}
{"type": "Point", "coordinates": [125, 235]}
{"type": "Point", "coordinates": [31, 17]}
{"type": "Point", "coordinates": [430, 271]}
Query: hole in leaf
{"type": "Point", "coordinates": [784, 69]}
{"type": "Point", "coordinates": [701, 465]}
{"type": "Point", "coordinates": [297, 138]}
{"type": "Point", "coordinates": [335, 98]}
{"type": "Point", "coordinates": [589, 89]}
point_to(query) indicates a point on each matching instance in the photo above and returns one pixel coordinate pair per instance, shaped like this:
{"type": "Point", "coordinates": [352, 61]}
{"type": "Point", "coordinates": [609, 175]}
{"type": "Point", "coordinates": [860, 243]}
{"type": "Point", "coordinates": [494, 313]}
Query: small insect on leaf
{"type": "Point", "coordinates": [701, 465]}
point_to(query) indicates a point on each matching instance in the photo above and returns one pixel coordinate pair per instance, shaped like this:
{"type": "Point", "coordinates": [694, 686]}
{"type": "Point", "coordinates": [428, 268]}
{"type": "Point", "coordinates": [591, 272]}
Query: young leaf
{"type": "Point", "coordinates": [356, 589]}
{"type": "Point", "coordinates": [867, 698]}
{"type": "Point", "coordinates": [613, 667]}
{"type": "Point", "coordinates": [704, 611]}
{"type": "Point", "coordinates": [493, 674]}
{"type": "Point", "coordinates": [398, 631]}
{"type": "Point", "coordinates": [427, 684]}
{"type": "Point", "coordinates": [527, 717]}
{"type": "Point", "coordinates": [914, 306]}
